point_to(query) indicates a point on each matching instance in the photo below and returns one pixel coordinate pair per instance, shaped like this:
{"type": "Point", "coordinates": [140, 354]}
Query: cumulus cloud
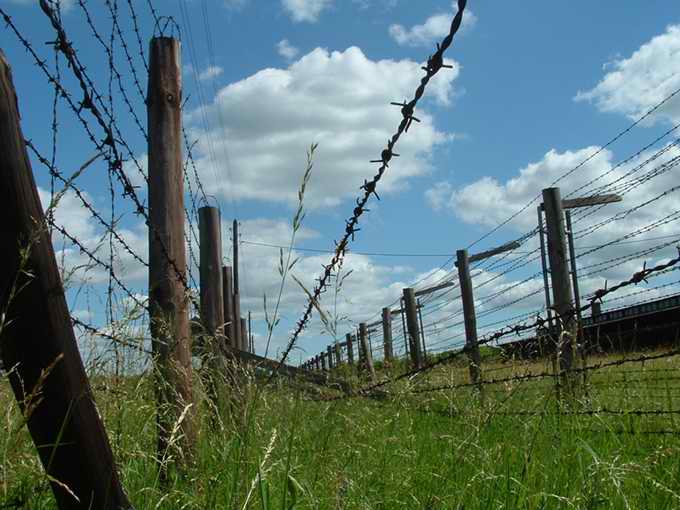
{"type": "Point", "coordinates": [287, 50]}
{"type": "Point", "coordinates": [434, 29]}
{"type": "Point", "coordinates": [637, 83]}
{"type": "Point", "coordinates": [210, 72]}
{"type": "Point", "coordinates": [305, 10]}
{"type": "Point", "coordinates": [646, 222]}
{"type": "Point", "coordinates": [337, 99]}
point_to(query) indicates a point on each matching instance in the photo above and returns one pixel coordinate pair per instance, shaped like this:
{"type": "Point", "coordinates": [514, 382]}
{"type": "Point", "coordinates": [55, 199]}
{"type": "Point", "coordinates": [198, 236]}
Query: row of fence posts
{"type": "Point", "coordinates": [555, 239]}
{"type": "Point", "coordinates": [37, 342]}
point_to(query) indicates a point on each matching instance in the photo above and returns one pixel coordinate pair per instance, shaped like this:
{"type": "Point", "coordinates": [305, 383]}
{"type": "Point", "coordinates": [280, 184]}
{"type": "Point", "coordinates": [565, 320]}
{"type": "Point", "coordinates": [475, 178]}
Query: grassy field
{"type": "Point", "coordinates": [518, 447]}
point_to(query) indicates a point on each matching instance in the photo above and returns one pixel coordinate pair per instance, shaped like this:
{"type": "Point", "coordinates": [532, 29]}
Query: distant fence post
{"type": "Point", "coordinates": [317, 362]}
{"type": "Point", "coordinates": [212, 293]}
{"type": "Point", "coordinates": [244, 335]}
{"type": "Point", "coordinates": [350, 349]}
{"type": "Point", "coordinates": [404, 329]}
{"type": "Point", "coordinates": [228, 291]}
{"type": "Point", "coordinates": [559, 271]}
{"type": "Point", "coordinates": [471, 344]}
{"type": "Point", "coordinates": [238, 335]}
{"type": "Point", "coordinates": [323, 361]}
{"type": "Point", "coordinates": [412, 324]}
{"type": "Point", "coordinates": [37, 337]}
{"type": "Point", "coordinates": [169, 319]}
{"type": "Point", "coordinates": [387, 333]}
{"type": "Point", "coordinates": [212, 303]}
{"type": "Point", "coordinates": [367, 355]}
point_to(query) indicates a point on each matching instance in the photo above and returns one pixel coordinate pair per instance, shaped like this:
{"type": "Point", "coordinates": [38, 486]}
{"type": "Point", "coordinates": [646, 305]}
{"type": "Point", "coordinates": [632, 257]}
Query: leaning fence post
{"type": "Point", "coordinates": [367, 357]}
{"type": "Point", "coordinates": [412, 324]}
{"type": "Point", "coordinates": [169, 319]}
{"type": "Point", "coordinates": [559, 272]}
{"type": "Point", "coordinates": [350, 349]}
{"type": "Point", "coordinates": [471, 345]}
{"type": "Point", "coordinates": [37, 337]}
{"type": "Point", "coordinates": [387, 333]}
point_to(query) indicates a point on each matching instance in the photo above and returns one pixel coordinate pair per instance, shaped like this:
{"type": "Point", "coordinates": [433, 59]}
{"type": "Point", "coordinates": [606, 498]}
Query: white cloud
{"type": "Point", "coordinates": [489, 201]}
{"type": "Point", "coordinates": [210, 72]}
{"type": "Point", "coordinates": [305, 10]}
{"type": "Point", "coordinates": [337, 99]}
{"type": "Point", "coordinates": [434, 29]}
{"type": "Point", "coordinates": [641, 81]}
{"type": "Point", "coordinates": [286, 50]}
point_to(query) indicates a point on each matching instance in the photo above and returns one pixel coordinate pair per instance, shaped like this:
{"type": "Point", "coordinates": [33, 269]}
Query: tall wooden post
{"type": "Point", "coordinates": [212, 291]}
{"type": "Point", "coordinates": [237, 292]}
{"type": "Point", "coordinates": [323, 361]}
{"type": "Point", "coordinates": [367, 354]}
{"type": "Point", "coordinates": [37, 343]}
{"type": "Point", "coordinates": [469, 316]}
{"type": "Point", "coordinates": [387, 333]}
{"type": "Point", "coordinates": [572, 264]}
{"type": "Point", "coordinates": [559, 272]}
{"type": "Point", "coordinates": [169, 321]}
{"type": "Point", "coordinates": [317, 362]}
{"type": "Point", "coordinates": [412, 324]}
{"type": "Point", "coordinates": [228, 291]}
{"type": "Point", "coordinates": [350, 349]}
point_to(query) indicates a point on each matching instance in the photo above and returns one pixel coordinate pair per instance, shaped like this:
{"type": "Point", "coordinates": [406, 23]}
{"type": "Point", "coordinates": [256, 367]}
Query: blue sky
{"type": "Point", "coordinates": [536, 87]}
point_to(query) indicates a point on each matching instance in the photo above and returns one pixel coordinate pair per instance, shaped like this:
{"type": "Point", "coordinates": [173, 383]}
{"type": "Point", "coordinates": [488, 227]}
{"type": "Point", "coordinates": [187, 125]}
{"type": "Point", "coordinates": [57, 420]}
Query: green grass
{"type": "Point", "coordinates": [445, 449]}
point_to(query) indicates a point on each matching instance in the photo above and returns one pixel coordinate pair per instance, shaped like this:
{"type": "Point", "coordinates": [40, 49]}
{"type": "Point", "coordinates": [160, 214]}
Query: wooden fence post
{"type": "Point", "coordinates": [419, 308]}
{"type": "Point", "coordinates": [244, 335]}
{"type": "Point", "coordinates": [37, 337]}
{"type": "Point", "coordinates": [169, 319]}
{"type": "Point", "coordinates": [238, 335]}
{"type": "Point", "coordinates": [367, 357]}
{"type": "Point", "coordinates": [404, 329]}
{"type": "Point", "coordinates": [228, 291]}
{"type": "Point", "coordinates": [317, 362]}
{"type": "Point", "coordinates": [350, 349]}
{"type": "Point", "coordinates": [387, 333]}
{"type": "Point", "coordinates": [412, 324]}
{"type": "Point", "coordinates": [323, 361]}
{"type": "Point", "coordinates": [559, 272]}
{"type": "Point", "coordinates": [470, 318]}
{"type": "Point", "coordinates": [212, 293]}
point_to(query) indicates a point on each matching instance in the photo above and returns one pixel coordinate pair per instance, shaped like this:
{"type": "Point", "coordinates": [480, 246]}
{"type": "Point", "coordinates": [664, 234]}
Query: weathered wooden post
{"type": "Point", "coordinates": [238, 336]}
{"type": "Point", "coordinates": [37, 343]}
{"type": "Point", "coordinates": [404, 329]}
{"type": "Point", "coordinates": [559, 272]}
{"type": "Point", "coordinates": [317, 362]}
{"type": "Point", "coordinates": [412, 324]}
{"type": "Point", "coordinates": [350, 349]}
{"type": "Point", "coordinates": [212, 302]}
{"type": "Point", "coordinates": [169, 319]}
{"type": "Point", "coordinates": [212, 294]}
{"type": "Point", "coordinates": [338, 354]}
{"type": "Point", "coordinates": [387, 333]}
{"type": "Point", "coordinates": [367, 357]}
{"type": "Point", "coordinates": [228, 291]}
{"type": "Point", "coordinates": [471, 345]}
{"type": "Point", "coordinates": [323, 361]}
{"type": "Point", "coordinates": [251, 338]}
